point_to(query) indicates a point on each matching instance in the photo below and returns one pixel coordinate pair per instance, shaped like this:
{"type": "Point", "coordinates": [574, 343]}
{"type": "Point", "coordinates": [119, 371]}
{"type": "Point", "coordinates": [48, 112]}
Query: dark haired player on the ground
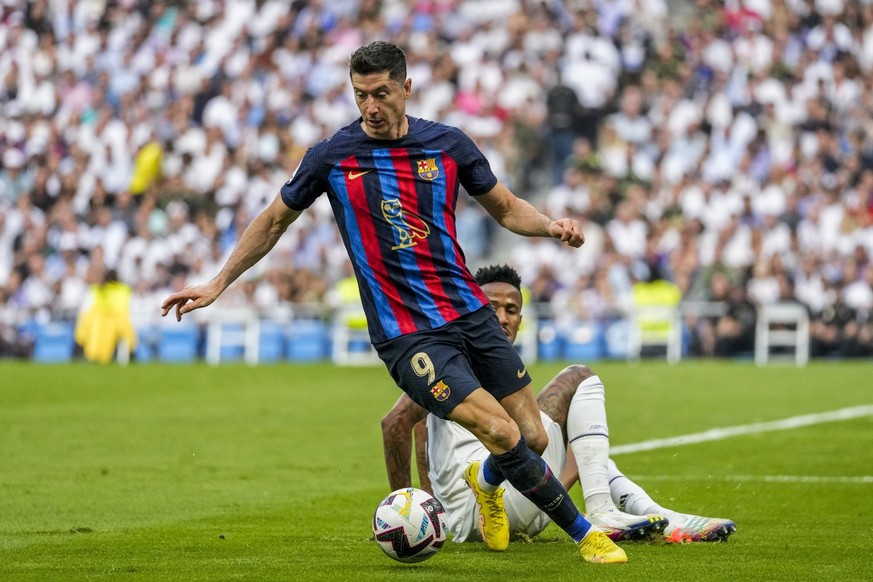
{"type": "Point", "coordinates": [573, 411]}
{"type": "Point", "coordinates": [392, 181]}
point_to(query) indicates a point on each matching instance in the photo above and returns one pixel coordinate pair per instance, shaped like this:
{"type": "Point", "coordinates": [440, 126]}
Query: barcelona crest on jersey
{"type": "Point", "coordinates": [427, 169]}
{"type": "Point", "coordinates": [441, 391]}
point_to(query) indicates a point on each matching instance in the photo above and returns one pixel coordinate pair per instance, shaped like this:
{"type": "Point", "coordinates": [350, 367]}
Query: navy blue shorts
{"type": "Point", "coordinates": [439, 368]}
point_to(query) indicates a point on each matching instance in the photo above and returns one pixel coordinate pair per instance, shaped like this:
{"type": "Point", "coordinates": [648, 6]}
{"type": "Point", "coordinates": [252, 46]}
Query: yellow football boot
{"type": "Point", "coordinates": [597, 548]}
{"type": "Point", "coordinates": [493, 523]}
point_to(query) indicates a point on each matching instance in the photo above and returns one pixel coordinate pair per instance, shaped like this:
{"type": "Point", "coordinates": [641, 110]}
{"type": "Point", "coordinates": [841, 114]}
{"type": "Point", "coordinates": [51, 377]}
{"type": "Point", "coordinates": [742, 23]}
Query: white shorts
{"type": "Point", "coordinates": [451, 448]}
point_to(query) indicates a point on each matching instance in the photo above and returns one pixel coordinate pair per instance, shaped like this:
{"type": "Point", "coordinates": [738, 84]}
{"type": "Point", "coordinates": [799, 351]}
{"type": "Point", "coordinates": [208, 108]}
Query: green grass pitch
{"type": "Point", "coordinates": [158, 472]}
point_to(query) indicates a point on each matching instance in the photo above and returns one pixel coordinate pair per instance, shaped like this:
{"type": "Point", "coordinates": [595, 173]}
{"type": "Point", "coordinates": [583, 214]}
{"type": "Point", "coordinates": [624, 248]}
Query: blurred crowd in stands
{"type": "Point", "coordinates": [727, 148]}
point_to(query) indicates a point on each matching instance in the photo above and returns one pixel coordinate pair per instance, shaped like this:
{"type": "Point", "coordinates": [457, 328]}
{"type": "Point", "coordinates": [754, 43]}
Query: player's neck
{"type": "Point", "coordinates": [394, 133]}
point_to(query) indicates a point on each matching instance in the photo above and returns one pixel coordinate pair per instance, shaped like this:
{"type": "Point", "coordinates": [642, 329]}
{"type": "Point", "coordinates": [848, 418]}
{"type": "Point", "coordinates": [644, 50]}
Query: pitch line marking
{"type": "Point", "coordinates": [855, 479]}
{"type": "Point", "coordinates": [717, 434]}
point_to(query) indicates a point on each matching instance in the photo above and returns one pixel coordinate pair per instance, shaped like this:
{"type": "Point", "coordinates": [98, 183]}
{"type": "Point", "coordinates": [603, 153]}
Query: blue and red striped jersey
{"type": "Point", "coordinates": [394, 203]}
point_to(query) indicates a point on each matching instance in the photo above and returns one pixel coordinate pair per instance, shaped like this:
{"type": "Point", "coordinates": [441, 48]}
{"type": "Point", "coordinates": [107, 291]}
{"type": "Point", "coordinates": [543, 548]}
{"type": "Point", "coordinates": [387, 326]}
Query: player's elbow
{"type": "Point", "coordinates": [399, 418]}
{"type": "Point", "coordinates": [278, 217]}
{"type": "Point", "coordinates": [390, 422]}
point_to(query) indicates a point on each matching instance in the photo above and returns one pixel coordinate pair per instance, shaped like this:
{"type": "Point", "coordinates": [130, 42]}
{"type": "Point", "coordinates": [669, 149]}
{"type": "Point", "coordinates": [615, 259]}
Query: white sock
{"type": "Point", "coordinates": [633, 499]}
{"type": "Point", "coordinates": [628, 496]}
{"type": "Point", "coordinates": [588, 435]}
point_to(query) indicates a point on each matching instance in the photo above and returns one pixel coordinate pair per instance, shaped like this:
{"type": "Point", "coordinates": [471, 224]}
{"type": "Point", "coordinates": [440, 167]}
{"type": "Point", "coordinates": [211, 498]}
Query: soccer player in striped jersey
{"type": "Point", "coordinates": [392, 181]}
{"type": "Point", "coordinates": [573, 411]}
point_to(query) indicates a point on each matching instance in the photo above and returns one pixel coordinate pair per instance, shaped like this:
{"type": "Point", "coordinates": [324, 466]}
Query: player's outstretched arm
{"type": "Point", "coordinates": [521, 217]}
{"type": "Point", "coordinates": [256, 241]}
{"type": "Point", "coordinates": [397, 429]}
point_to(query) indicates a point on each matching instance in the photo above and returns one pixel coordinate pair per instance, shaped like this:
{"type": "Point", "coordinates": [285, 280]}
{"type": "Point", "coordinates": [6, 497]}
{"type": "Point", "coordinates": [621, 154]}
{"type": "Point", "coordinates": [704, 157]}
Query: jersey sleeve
{"type": "Point", "coordinates": [474, 171]}
{"type": "Point", "coordinates": [307, 183]}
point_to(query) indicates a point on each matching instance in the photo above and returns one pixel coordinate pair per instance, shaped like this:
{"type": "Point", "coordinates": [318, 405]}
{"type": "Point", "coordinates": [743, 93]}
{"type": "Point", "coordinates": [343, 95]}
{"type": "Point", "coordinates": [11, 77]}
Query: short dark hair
{"type": "Point", "coordinates": [498, 274]}
{"type": "Point", "coordinates": [378, 57]}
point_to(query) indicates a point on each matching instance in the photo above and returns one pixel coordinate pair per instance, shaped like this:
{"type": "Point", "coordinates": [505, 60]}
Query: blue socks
{"type": "Point", "coordinates": [530, 474]}
{"type": "Point", "coordinates": [492, 473]}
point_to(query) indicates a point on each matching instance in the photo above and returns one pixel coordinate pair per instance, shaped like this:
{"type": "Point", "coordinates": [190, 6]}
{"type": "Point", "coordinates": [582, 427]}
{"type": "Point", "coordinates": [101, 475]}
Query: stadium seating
{"type": "Point", "coordinates": [550, 346]}
{"type": "Point", "coordinates": [148, 339]}
{"type": "Point", "coordinates": [179, 343]}
{"type": "Point", "coordinates": [782, 325]}
{"type": "Point", "coordinates": [225, 341]}
{"type": "Point", "coordinates": [630, 123]}
{"type": "Point", "coordinates": [585, 342]}
{"type": "Point", "coordinates": [655, 327]}
{"type": "Point", "coordinates": [271, 341]}
{"type": "Point", "coordinates": [350, 338]}
{"type": "Point", "coordinates": [615, 339]}
{"type": "Point", "coordinates": [307, 340]}
{"type": "Point", "coordinates": [233, 335]}
{"type": "Point", "coordinates": [54, 342]}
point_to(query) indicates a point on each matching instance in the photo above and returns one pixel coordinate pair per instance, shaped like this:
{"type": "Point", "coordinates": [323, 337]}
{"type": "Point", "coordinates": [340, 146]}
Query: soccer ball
{"type": "Point", "coordinates": [410, 525]}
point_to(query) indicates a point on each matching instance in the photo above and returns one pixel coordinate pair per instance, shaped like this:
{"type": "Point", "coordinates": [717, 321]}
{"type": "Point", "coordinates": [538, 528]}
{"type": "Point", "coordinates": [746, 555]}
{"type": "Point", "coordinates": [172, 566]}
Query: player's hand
{"type": "Point", "coordinates": [568, 230]}
{"type": "Point", "coordinates": [198, 295]}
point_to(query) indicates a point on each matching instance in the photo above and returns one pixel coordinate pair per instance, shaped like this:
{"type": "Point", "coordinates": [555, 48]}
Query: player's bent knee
{"type": "Point", "coordinates": [580, 372]}
{"type": "Point", "coordinates": [499, 437]}
{"type": "Point", "coordinates": [506, 439]}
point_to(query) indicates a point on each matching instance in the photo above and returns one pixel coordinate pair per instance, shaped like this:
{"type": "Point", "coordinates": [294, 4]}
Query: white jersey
{"type": "Point", "coordinates": [451, 448]}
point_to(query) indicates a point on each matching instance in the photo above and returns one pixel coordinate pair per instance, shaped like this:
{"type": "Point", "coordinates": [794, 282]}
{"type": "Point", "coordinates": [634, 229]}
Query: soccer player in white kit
{"type": "Point", "coordinates": [572, 408]}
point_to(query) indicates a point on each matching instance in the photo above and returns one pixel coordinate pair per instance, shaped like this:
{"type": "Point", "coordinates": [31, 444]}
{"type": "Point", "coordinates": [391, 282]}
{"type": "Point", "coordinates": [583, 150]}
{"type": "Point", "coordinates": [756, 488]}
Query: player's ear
{"type": "Point", "coordinates": [407, 88]}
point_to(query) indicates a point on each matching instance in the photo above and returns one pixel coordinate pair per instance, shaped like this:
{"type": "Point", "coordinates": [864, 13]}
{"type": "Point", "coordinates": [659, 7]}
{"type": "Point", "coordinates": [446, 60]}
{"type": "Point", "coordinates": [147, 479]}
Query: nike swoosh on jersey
{"type": "Point", "coordinates": [522, 372]}
{"type": "Point", "coordinates": [354, 175]}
